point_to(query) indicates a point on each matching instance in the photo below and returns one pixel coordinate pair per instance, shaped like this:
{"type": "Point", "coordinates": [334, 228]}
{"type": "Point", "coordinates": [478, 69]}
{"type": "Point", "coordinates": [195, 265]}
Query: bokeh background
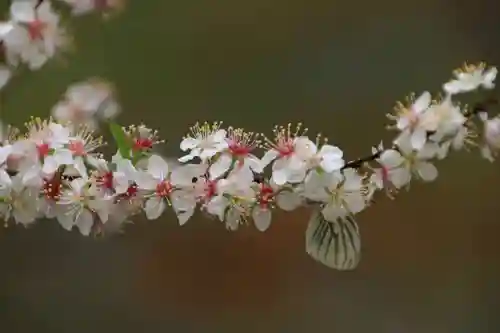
{"type": "Point", "coordinates": [431, 260]}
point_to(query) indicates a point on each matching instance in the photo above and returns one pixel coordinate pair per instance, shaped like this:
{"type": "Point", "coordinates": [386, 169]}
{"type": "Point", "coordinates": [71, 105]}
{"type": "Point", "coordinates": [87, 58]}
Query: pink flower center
{"type": "Point", "coordinates": [285, 148]}
{"type": "Point", "coordinates": [238, 149]}
{"type": "Point", "coordinates": [143, 143]}
{"type": "Point", "coordinates": [43, 150]}
{"type": "Point", "coordinates": [210, 189]}
{"type": "Point", "coordinates": [52, 188]}
{"type": "Point", "coordinates": [385, 174]}
{"type": "Point", "coordinates": [163, 189]}
{"type": "Point", "coordinates": [77, 148]}
{"type": "Point", "coordinates": [106, 180]}
{"type": "Point", "coordinates": [131, 191]}
{"type": "Point", "coordinates": [36, 29]}
{"type": "Point", "coordinates": [266, 195]}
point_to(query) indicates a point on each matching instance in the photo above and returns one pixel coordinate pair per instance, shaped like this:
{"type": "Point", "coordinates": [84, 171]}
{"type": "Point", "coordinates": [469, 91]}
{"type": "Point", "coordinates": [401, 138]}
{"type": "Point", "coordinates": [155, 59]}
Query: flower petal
{"type": "Point", "coordinates": [261, 218]}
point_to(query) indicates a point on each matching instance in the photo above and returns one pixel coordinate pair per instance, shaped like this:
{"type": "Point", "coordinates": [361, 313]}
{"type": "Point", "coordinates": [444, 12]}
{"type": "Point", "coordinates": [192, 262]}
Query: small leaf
{"type": "Point", "coordinates": [122, 141]}
{"type": "Point", "coordinates": [334, 244]}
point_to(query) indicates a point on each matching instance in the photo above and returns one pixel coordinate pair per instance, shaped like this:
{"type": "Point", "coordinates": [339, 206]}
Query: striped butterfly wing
{"type": "Point", "coordinates": [334, 244]}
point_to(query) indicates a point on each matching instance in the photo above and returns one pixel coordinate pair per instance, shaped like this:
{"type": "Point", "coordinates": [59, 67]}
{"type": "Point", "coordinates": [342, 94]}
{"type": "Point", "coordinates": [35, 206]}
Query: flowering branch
{"type": "Point", "coordinates": [474, 111]}
{"type": "Point", "coordinates": [53, 169]}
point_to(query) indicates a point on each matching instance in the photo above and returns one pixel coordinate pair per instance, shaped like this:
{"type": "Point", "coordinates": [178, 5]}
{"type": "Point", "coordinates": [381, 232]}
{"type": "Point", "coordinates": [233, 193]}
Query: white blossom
{"type": "Point", "coordinates": [403, 162]}
{"type": "Point", "coordinates": [204, 142]}
{"type": "Point", "coordinates": [81, 202]}
{"type": "Point", "coordinates": [36, 36]}
{"type": "Point", "coordinates": [85, 102]}
{"type": "Point", "coordinates": [408, 120]}
{"type": "Point", "coordinates": [238, 153]}
{"type": "Point", "coordinates": [471, 77]}
{"type": "Point", "coordinates": [343, 193]}
{"type": "Point", "coordinates": [17, 200]}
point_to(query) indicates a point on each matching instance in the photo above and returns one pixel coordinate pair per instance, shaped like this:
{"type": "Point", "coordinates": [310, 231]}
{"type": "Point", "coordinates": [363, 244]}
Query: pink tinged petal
{"type": "Point", "coordinates": [154, 207]}
{"type": "Point", "coordinates": [261, 218]}
{"type": "Point", "coordinates": [427, 171]}
{"type": "Point", "coordinates": [189, 143]}
{"type": "Point", "coordinates": [220, 166]}
{"type": "Point", "coordinates": [84, 222]}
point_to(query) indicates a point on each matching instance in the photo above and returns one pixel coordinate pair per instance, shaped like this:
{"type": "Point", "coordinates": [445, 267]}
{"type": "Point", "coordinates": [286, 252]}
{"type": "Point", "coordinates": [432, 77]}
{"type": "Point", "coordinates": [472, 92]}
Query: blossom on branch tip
{"type": "Point", "coordinates": [471, 77]}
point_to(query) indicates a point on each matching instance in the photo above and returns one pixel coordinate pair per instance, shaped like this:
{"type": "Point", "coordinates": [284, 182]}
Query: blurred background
{"type": "Point", "coordinates": [431, 260]}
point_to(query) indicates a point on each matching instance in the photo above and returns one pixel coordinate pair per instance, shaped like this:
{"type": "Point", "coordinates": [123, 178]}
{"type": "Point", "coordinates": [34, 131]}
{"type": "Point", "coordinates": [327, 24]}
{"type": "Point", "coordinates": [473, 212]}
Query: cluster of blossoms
{"type": "Point", "coordinates": [34, 32]}
{"type": "Point", "coordinates": [53, 169]}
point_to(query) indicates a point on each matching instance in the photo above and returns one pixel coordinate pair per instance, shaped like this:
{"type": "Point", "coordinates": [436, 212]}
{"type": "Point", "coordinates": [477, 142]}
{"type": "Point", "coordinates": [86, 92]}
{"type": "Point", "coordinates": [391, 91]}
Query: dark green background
{"type": "Point", "coordinates": [431, 258]}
